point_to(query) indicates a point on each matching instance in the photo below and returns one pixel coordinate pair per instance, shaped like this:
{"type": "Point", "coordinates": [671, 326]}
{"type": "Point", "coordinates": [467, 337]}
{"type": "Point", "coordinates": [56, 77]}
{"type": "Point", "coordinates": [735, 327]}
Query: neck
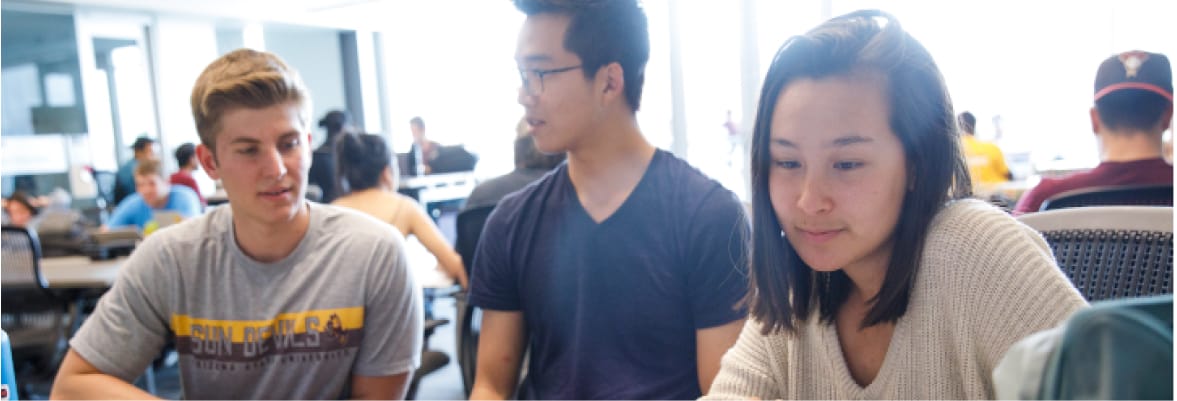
{"type": "Point", "coordinates": [269, 243]}
{"type": "Point", "coordinates": [1129, 146]}
{"type": "Point", "coordinates": [612, 149]}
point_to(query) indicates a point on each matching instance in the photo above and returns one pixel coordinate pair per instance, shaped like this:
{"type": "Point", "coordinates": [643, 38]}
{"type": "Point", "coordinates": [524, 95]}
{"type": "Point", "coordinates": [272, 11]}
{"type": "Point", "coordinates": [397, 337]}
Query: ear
{"type": "Point", "coordinates": [613, 77]}
{"type": "Point", "coordinates": [208, 160]}
{"type": "Point", "coordinates": [1167, 118]}
{"type": "Point", "coordinates": [1096, 124]}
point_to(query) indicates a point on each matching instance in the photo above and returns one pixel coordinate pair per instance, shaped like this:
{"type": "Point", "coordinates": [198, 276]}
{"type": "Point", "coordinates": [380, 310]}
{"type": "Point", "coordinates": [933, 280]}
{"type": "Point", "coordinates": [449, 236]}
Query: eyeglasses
{"type": "Point", "coordinates": [537, 76]}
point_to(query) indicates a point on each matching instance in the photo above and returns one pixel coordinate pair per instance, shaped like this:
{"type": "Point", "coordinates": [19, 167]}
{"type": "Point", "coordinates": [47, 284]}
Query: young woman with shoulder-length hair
{"type": "Point", "coordinates": [872, 274]}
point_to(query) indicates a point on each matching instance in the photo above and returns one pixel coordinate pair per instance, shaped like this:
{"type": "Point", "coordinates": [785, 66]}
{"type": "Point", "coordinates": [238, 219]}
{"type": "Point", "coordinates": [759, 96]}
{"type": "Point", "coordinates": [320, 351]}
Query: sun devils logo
{"type": "Point", "coordinates": [1132, 62]}
{"type": "Point", "coordinates": [335, 329]}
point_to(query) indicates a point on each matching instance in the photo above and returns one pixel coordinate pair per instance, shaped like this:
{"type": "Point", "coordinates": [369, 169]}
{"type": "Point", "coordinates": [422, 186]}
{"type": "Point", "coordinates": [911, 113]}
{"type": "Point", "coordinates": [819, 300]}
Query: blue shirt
{"type": "Point", "coordinates": [612, 307]}
{"type": "Point", "coordinates": [135, 211]}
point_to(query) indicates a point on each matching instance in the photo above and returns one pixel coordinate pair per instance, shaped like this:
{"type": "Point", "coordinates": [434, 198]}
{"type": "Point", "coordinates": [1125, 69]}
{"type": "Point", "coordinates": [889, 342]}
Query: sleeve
{"type": "Point", "coordinates": [187, 204]}
{"type": "Point", "coordinates": [1022, 290]}
{"type": "Point", "coordinates": [393, 315]}
{"type": "Point", "coordinates": [131, 322]}
{"type": "Point", "coordinates": [1032, 199]}
{"type": "Point", "coordinates": [124, 213]}
{"type": "Point", "coordinates": [999, 162]}
{"type": "Point", "coordinates": [717, 250]}
{"type": "Point", "coordinates": [493, 285]}
{"type": "Point", "coordinates": [746, 371]}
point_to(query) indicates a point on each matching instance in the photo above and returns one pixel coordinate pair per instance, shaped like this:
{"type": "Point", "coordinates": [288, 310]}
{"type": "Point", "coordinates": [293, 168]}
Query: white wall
{"type": "Point", "coordinates": [314, 52]}
{"type": "Point", "coordinates": [182, 48]}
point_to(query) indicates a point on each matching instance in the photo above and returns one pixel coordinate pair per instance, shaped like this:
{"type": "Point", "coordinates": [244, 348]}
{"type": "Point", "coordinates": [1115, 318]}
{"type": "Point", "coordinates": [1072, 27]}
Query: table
{"type": "Point", "coordinates": [80, 272]}
{"type": "Point", "coordinates": [433, 188]}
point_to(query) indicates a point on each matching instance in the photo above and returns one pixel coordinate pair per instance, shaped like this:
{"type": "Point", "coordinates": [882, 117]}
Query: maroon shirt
{"type": "Point", "coordinates": [185, 179]}
{"type": "Point", "coordinates": [1136, 172]}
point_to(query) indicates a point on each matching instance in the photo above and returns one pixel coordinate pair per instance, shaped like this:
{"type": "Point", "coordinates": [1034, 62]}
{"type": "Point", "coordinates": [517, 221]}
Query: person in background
{"type": "Point", "coordinates": [185, 158]}
{"type": "Point", "coordinates": [323, 161]}
{"type": "Point", "coordinates": [424, 151]}
{"type": "Point", "coordinates": [124, 183]}
{"type": "Point", "coordinates": [622, 270]}
{"type": "Point", "coordinates": [985, 161]}
{"type": "Point", "coordinates": [264, 298]}
{"type": "Point", "coordinates": [873, 275]}
{"type": "Point", "coordinates": [20, 210]}
{"type": "Point", "coordinates": [369, 177]}
{"type": "Point", "coordinates": [153, 194]}
{"type": "Point", "coordinates": [1133, 108]}
{"type": "Point", "coordinates": [530, 165]}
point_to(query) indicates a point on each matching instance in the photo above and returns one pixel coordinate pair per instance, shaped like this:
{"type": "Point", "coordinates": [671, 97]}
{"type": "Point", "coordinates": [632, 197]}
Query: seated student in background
{"type": "Point", "coordinates": [530, 165]}
{"type": "Point", "coordinates": [873, 277]}
{"type": "Point", "coordinates": [984, 159]}
{"type": "Point", "coordinates": [153, 194]}
{"type": "Point", "coordinates": [186, 159]}
{"type": "Point", "coordinates": [621, 272]}
{"type": "Point", "coordinates": [369, 179]}
{"type": "Point", "coordinates": [270, 297]}
{"type": "Point", "coordinates": [1133, 108]}
{"type": "Point", "coordinates": [20, 211]}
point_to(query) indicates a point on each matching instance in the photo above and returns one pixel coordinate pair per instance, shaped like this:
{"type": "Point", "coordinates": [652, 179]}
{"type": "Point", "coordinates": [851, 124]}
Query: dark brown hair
{"type": "Point", "coordinates": [785, 290]}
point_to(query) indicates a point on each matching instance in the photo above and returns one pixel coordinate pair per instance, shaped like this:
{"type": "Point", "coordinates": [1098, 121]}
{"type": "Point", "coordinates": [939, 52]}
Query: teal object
{"type": "Point", "coordinates": [8, 384]}
{"type": "Point", "coordinates": [1115, 350]}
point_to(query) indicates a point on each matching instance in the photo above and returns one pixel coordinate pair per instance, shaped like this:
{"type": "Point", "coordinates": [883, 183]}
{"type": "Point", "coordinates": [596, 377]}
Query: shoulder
{"type": "Point", "coordinates": [363, 231]}
{"type": "Point", "coordinates": [684, 188]}
{"type": "Point", "coordinates": [971, 234]}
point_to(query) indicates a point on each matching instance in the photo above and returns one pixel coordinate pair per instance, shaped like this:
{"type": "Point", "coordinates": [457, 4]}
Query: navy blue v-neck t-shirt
{"type": "Point", "coordinates": [612, 307]}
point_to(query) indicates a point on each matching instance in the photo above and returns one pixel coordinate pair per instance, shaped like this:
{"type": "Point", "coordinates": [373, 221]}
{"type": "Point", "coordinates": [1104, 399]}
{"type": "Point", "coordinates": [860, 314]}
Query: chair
{"type": "Point", "coordinates": [36, 319]}
{"type": "Point", "coordinates": [1123, 195]}
{"type": "Point", "coordinates": [1111, 252]}
{"type": "Point", "coordinates": [469, 226]}
{"type": "Point", "coordinates": [106, 183]}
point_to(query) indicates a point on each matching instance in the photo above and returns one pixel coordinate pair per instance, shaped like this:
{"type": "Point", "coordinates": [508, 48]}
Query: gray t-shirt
{"type": "Point", "coordinates": [343, 303]}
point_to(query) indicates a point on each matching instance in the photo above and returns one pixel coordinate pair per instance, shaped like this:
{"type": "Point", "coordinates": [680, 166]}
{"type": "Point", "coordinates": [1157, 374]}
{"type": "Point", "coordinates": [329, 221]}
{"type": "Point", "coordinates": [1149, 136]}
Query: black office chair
{"type": "Point", "coordinates": [1111, 252]}
{"type": "Point", "coordinates": [469, 226]}
{"type": "Point", "coordinates": [36, 319]}
{"type": "Point", "coordinates": [1119, 195]}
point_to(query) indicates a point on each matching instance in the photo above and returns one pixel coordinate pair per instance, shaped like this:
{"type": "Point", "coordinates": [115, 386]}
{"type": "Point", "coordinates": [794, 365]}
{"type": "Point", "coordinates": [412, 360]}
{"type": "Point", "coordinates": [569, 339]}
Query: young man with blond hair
{"type": "Point", "coordinates": [270, 297]}
{"type": "Point", "coordinates": [153, 194]}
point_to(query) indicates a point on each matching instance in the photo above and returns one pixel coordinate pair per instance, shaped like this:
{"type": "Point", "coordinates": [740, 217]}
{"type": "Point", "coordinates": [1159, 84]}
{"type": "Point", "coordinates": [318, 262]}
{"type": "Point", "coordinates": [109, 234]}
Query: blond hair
{"type": "Point", "coordinates": [244, 78]}
{"type": "Point", "coordinates": [149, 167]}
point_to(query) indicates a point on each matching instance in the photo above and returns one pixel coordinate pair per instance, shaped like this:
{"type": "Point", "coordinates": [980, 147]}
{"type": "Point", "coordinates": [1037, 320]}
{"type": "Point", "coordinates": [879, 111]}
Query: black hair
{"type": "Point", "coordinates": [1132, 109]}
{"type": "Point", "coordinates": [968, 123]}
{"type": "Point", "coordinates": [184, 153]}
{"type": "Point", "coordinates": [784, 289]}
{"type": "Point", "coordinates": [335, 121]}
{"type": "Point", "coordinates": [361, 159]}
{"type": "Point", "coordinates": [602, 32]}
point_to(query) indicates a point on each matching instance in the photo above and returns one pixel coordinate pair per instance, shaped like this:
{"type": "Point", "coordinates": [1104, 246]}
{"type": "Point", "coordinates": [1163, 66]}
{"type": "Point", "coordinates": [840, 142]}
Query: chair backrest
{"type": "Point", "coordinates": [469, 225]}
{"type": "Point", "coordinates": [1115, 350]}
{"type": "Point", "coordinates": [1122, 195]}
{"type": "Point", "coordinates": [21, 258]}
{"type": "Point", "coordinates": [105, 181]}
{"type": "Point", "coordinates": [1111, 252]}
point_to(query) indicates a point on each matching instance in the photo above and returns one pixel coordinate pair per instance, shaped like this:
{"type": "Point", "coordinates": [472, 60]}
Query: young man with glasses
{"type": "Point", "coordinates": [621, 271]}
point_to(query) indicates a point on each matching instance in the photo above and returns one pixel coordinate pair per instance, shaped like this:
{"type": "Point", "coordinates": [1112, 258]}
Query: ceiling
{"type": "Point", "coordinates": [352, 14]}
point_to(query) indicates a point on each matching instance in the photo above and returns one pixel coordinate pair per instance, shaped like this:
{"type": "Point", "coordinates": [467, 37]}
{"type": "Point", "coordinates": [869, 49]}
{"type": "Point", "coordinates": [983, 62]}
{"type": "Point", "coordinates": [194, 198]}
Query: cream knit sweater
{"type": "Point", "coordinates": [986, 281]}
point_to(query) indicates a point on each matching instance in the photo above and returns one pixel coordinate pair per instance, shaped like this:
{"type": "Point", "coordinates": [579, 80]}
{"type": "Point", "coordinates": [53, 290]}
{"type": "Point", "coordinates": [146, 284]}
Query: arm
{"type": "Point", "coordinates": [710, 345]}
{"type": "Point", "coordinates": [430, 236]}
{"type": "Point", "coordinates": [379, 387]}
{"type": "Point", "coordinates": [78, 379]}
{"type": "Point", "coordinates": [126, 331]}
{"type": "Point", "coordinates": [121, 216]}
{"type": "Point", "coordinates": [747, 369]}
{"type": "Point", "coordinates": [500, 351]}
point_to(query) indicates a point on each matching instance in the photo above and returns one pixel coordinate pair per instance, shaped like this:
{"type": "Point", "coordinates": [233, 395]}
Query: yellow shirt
{"type": "Point", "coordinates": [986, 163]}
